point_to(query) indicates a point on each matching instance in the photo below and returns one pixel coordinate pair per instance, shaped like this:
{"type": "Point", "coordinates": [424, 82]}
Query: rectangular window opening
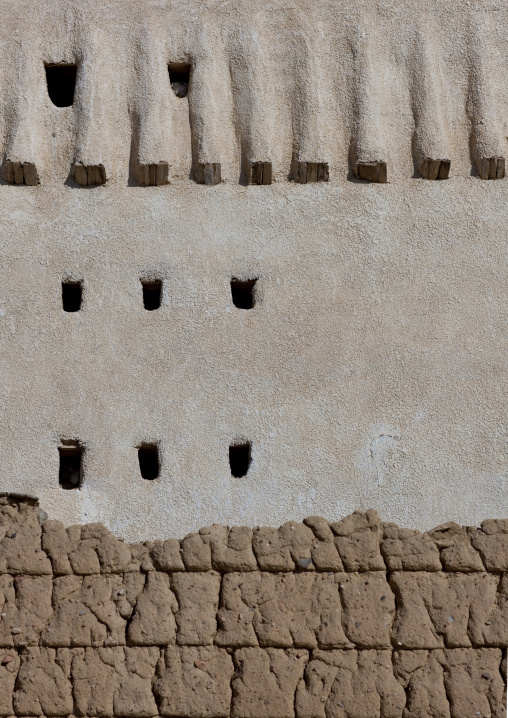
{"type": "Point", "coordinates": [148, 457]}
{"type": "Point", "coordinates": [72, 294]}
{"type": "Point", "coordinates": [179, 77]}
{"type": "Point", "coordinates": [152, 295]}
{"type": "Point", "coordinates": [61, 81]}
{"type": "Point", "coordinates": [240, 458]}
{"type": "Point", "coordinates": [70, 475]}
{"type": "Point", "coordinates": [242, 293]}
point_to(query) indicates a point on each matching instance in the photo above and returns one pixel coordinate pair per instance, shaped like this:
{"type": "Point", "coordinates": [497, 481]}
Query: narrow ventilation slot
{"type": "Point", "coordinates": [61, 80]}
{"type": "Point", "coordinates": [179, 77]}
{"type": "Point", "coordinates": [70, 475]}
{"type": "Point", "coordinates": [72, 294]}
{"type": "Point", "coordinates": [239, 459]}
{"type": "Point", "coordinates": [148, 457]}
{"type": "Point", "coordinates": [242, 293]}
{"type": "Point", "coordinates": [152, 294]}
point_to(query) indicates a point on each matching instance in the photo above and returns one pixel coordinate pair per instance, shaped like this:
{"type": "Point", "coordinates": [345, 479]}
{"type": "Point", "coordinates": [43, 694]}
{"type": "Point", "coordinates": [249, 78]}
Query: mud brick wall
{"type": "Point", "coordinates": [354, 619]}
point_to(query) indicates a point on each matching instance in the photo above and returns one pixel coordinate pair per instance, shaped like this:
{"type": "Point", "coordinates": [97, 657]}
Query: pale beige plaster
{"type": "Point", "coordinates": [372, 371]}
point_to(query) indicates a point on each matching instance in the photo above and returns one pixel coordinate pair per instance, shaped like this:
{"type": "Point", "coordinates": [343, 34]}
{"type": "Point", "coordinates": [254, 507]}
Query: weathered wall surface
{"type": "Point", "coordinates": [372, 370]}
{"type": "Point", "coordinates": [316, 620]}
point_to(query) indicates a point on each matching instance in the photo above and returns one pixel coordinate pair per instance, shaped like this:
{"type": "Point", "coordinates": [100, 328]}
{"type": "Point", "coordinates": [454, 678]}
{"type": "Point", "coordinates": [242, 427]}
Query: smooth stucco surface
{"type": "Point", "coordinates": [372, 371]}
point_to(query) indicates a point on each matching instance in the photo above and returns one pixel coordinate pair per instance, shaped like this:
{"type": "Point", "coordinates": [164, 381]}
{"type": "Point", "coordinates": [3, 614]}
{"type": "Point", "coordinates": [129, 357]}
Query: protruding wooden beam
{"type": "Point", "coordinates": [307, 172]}
{"type": "Point", "coordinates": [208, 173]}
{"type": "Point", "coordinates": [372, 171]}
{"type": "Point", "coordinates": [432, 169]}
{"type": "Point", "coordinates": [490, 168]}
{"type": "Point", "coordinates": [153, 175]}
{"type": "Point", "coordinates": [88, 176]}
{"type": "Point", "coordinates": [21, 173]}
{"type": "Point", "coordinates": [261, 173]}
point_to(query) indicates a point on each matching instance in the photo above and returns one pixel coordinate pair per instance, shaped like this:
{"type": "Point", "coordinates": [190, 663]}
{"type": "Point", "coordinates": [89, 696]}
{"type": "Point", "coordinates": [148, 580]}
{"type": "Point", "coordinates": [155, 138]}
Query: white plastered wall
{"type": "Point", "coordinates": [372, 371]}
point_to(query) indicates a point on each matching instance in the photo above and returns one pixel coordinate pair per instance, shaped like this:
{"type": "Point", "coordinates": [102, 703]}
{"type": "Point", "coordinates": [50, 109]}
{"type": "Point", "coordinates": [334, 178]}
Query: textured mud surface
{"type": "Point", "coordinates": [351, 619]}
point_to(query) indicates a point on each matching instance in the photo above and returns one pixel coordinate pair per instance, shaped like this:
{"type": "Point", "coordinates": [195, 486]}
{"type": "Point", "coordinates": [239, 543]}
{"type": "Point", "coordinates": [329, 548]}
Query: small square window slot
{"type": "Point", "coordinates": [61, 81]}
{"type": "Point", "coordinates": [148, 457]}
{"type": "Point", "coordinates": [72, 295]}
{"type": "Point", "coordinates": [242, 292]}
{"type": "Point", "coordinates": [152, 295]}
{"type": "Point", "coordinates": [240, 458]}
{"type": "Point", "coordinates": [70, 474]}
{"type": "Point", "coordinates": [179, 77]}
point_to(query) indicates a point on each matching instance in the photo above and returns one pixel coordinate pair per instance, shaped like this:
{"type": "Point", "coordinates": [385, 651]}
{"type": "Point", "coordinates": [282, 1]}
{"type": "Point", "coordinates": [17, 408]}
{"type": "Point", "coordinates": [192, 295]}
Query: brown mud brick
{"type": "Point", "coordinates": [43, 687]}
{"type": "Point", "coordinates": [314, 689]}
{"type": "Point", "coordinates": [25, 609]}
{"type": "Point", "coordinates": [441, 609]}
{"type": "Point", "coordinates": [488, 624]}
{"type": "Point", "coordinates": [68, 553]}
{"type": "Point", "coordinates": [208, 173]}
{"type": "Point", "coordinates": [413, 627]}
{"type": "Point", "coordinates": [271, 553]}
{"type": "Point", "coordinates": [422, 677]}
{"type": "Point", "coordinates": [166, 555]}
{"type": "Point", "coordinates": [284, 549]}
{"type": "Point", "coordinates": [141, 559]}
{"type": "Point", "coordinates": [371, 171]}
{"type": "Point", "coordinates": [364, 686]}
{"type": "Point", "coordinates": [9, 667]}
{"type": "Point", "coordinates": [198, 601]}
{"type": "Point", "coordinates": [231, 550]}
{"type": "Point", "coordinates": [491, 541]}
{"type": "Point", "coordinates": [153, 175]}
{"type": "Point", "coordinates": [20, 540]}
{"type": "Point", "coordinates": [153, 622]}
{"type": "Point", "coordinates": [358, 540]}
{"type": "Point", "coordinates": [94, 680]}
{"type": "Point", "coordinates": [84, 550]}
{"type": "Point", "coordinates": [282, 610]}
{"type": "Point", "coordinates": [457, 553]}
{"type": "Point", "coordinates": [59, 542]}
{"type": "Point", "coordinates": [84, 560]}
{"type": "Point", "coordinates": [134, 698]}
{"type": "Point", "coordinates": [409, 550]}
{"type": "Point", "coordinates": [194, 682]}
{"type": "Point", "coordinates": [92, 610]}
{"type": "Point", "coordinates": [473, 682]}
{"type": "Point", "coordinates": [457, 602]}
{"type": "Point", "coordinates": [265, 682]}
{"type": "Point", "coordinates": [114, 556]}
{"type": "Point", "coordinates": [114, 681]}
{"type": "Point", "coordinates": [196, 553]}
{"type": "Point", "coordinates": [239, 598]}
{"type": "Point", "coordinates": [434, 169]}
{"type": "Point", "coordinates": [324, 554]}
{"type": "Point", "coordinates": [451, 683]}
{"type": "Point", "coordinates": [369, 609]}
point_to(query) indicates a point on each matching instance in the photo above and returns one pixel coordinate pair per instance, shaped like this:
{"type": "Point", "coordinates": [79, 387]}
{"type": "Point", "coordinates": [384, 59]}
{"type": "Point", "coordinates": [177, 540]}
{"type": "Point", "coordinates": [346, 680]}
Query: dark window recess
{"type": "Point", "coordinates": [239, 459]}
{"type": "Point", "coordinates": [179, 77]}
{"type": "Point", "coordinates": [148, 456]}
{"type": "Point", "coordinates": [71, 471]}
{"type": "Point", "coordinates": [72, 293]}
{"type": "Point", "coordinates": [61, 81]}
{"type": "Point", "coordinates": [243, 293]}
{"type": "Point", "coordinates": [152, 293]}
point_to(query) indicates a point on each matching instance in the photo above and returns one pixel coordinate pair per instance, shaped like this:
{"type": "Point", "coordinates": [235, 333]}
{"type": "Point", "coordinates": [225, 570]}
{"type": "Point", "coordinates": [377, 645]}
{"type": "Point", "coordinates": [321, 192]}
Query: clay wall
{"type": "Point", "coordinates": [371, 371]}
{"type": "Point", "coordinates": [353, 619]}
